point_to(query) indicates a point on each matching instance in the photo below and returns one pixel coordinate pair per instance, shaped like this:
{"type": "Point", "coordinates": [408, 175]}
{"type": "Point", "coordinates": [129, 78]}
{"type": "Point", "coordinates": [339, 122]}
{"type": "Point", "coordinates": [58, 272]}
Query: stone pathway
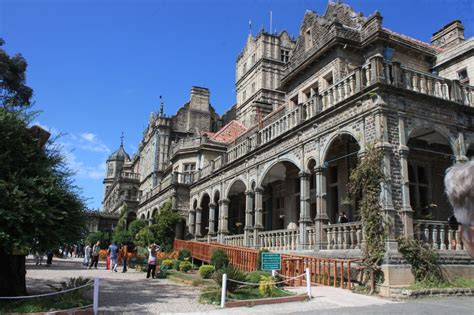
{"type": "Point", "coordinates": [128, 292]}
{"type": "Point", "coordinates": [132, 293]}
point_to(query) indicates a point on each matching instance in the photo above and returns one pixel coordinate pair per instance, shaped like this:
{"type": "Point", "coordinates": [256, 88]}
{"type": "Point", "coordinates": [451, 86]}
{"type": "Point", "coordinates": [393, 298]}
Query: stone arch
{"type": "Point", "coordinates": [142, 217]}
{"type": "Point", "coordinates": [269, 166]}
{"type": "Point", "coordinates": [334, 136]}
{"type": "Point", "coordinates": [281, 191]}
{"type": "Point", "coordinates": [204, 206]}
{"type": "Point", "coordinates": [194, 203]}
{"type": "Point", "coordinates": [339, 159]}
{"type": "Point", "coordinates": [430, 154]}
{"type": "Point", "coordinates": [233, 183]}
{"type": "Point", "coordinates": [470, 150]}
{"type": "Point", "coordinates": [216, 194]}
{"type": "Point", "coordinates": [236, 208]}
{"type": "Point", "coordinates": [442, 130]}
{"type": "Point", "coordinates": [131, 216]}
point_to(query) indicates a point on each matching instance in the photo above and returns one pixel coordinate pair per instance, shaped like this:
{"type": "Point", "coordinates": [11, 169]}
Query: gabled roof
{"type": "Point", "coordinates": [228, 133]}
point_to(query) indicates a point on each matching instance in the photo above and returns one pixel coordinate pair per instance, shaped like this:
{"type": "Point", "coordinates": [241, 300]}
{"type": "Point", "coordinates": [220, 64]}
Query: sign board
{"type": "Point", "coordinates": [271, 261]}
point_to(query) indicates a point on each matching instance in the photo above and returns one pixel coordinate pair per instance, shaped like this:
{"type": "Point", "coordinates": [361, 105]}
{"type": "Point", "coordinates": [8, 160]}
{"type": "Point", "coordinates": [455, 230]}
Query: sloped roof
{"type": "Point", "coordinates": [412, 40]}
{"type": "Point", "coordinates": [228, 133]}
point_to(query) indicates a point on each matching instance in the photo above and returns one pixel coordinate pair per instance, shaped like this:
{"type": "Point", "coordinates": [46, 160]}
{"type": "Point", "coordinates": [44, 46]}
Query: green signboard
{"type": "Point", "coordinates": [271, 261]}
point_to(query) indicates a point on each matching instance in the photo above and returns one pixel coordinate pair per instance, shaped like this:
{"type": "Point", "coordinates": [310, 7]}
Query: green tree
{"type": "Point", "coordinates": [366, 180]}
{"type": "Point", "coordinates": [135, 226]}
{"type": "Point", "coordinates": [163, 231]}
{"type": "Point", "coordinates": [39, 205]}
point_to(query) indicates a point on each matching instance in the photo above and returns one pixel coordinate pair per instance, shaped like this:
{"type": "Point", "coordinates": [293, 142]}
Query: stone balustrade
{"type": "Point", "coordinates": [438, 234]}
{"type": "Point", "coordinates": [344, 235]}
{"type": "Point", "coordinates": [234, 240]}
{"type": "Point", "coordinates": [134, 176]}
{"type": "Point", "coordinates": [279, 240]}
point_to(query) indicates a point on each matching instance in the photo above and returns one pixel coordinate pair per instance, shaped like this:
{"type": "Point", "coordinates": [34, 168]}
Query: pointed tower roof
{"type": "Point", "coordinates": [119, 154]}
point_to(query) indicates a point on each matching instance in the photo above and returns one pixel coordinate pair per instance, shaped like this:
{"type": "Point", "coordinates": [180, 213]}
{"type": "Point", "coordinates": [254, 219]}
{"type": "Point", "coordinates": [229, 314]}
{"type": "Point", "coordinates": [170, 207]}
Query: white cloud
{"type": "Point", "coordinates": [81, 169]}
{"type": "Point", "coordinates": [88, 136]}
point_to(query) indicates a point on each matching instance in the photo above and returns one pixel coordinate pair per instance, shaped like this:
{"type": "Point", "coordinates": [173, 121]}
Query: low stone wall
{"type": "Point", "coordinates": [403, 293]}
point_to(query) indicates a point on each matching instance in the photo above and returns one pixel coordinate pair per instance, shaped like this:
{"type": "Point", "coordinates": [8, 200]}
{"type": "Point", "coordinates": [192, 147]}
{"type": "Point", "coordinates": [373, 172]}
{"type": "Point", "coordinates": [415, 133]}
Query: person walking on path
{"type": "Point", "coordinates": [95, 255]}
{"type": "Point", "coordinates": [152, 249]}
{"type": "Point", "coordinates": [87, 254]}
{"type": "Point", "coordinates": [113, 254]}
{"type": "Point", "coordinates": [49, 258]}
{"type": "Point", "coordinates": [38, 258]}
{"type": "Point", "coordinates": [124, 256]}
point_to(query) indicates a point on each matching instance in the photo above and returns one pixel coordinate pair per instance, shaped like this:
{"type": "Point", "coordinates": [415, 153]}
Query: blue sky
{"type": "Point", "coordinates": [98, 67]}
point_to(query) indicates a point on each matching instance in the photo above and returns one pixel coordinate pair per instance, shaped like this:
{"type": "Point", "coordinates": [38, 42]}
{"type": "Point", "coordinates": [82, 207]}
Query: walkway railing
{"type": "Point", "coordinates": [438, 234]}
{"type": "Point", "coordinates": [324, 271]}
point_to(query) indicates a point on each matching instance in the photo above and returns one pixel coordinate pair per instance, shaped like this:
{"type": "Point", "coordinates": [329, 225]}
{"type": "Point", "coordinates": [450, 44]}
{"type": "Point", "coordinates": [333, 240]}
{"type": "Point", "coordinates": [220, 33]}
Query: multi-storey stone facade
{"type": "Point", "coordinates": [277, 176]}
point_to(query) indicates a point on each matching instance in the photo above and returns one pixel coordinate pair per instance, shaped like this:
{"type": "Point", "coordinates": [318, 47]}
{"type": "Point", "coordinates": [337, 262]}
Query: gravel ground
{"type": "Point", "coordinates": [132, 293]}
{"type": "Point", "coordinates": [128, 292]}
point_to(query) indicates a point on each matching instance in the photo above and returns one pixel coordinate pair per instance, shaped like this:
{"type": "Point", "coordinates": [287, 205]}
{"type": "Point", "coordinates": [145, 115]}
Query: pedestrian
{"type": "Point", "coordinates": [95, 255]}
{"type": "Point", "coordinates": [49, 258]}
{"type": "Point", "coordinates": [343, 217]}
{"type": "Point", "coordinates": [66, 251]}
{"type": "Point", "coordinates": [87, 254]}
{"type": "Point", "coordinates": [459, 184]}
{"type": "Point", "coordinates": [112, 252]}
{"type": "Point", "coordinates": [124, 256]}
{"type": "Point", "coordinates": [38, 257]}
{"type": "Point", "coordinates": [152, 249]}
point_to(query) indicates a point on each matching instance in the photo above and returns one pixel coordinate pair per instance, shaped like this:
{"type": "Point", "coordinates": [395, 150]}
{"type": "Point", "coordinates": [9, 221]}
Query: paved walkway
{"type": "Point", "coordinates": [131, 292]}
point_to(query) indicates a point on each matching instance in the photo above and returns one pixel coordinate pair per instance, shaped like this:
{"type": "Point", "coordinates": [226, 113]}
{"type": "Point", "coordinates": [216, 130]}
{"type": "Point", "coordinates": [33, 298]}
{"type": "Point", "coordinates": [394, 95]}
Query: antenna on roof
{"type": "Point", "coordinates": [250, 26]}
{"type": "Point", "coordinates": [121, 139]}
{"type": "Point", "coordinates": [161, 105]}
{"type": "Point", "coordinates": [271, 18]}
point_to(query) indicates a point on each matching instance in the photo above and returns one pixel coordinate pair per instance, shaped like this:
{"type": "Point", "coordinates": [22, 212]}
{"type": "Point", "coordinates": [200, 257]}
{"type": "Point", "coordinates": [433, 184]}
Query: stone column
{"type": "Point", "coordinates": [305, 218]}
{"type": "Point", "coordinates": [258, 216]}
{"type": "Point", "coordinates": [198, 222]}
{"type": "Point", "coordinates": [461, 154]}
{"type": "Point", "coordinates": [223, 228]}
{"type": "Point", "coordinates": [212, 220]}
{"type": "Point", "coordinates": [248, 229]}
{"type": "Point", "coordinates": [406, 210]}
{"type": "Point", "coordinates": [191, 221]}
{"type": "Point", "coordinates": [321, 218]}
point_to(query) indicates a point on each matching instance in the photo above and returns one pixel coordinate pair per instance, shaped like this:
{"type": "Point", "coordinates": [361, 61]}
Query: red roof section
{"type": "Point", "coordinates": [228, 133]}
{"type": "Point", "coordinates": [413, 40]}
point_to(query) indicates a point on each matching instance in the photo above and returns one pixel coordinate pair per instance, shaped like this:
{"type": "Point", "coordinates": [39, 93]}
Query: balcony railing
{"type": "Point", "coordinates": [279, 240]}
{"type": "Point", "coordinates": [343, 235]}
{"type": "Point", "coordinates": [134, 176]}
{"type": "Point", "coordinates": [439, 235]}
{"type": "Point", "coordinates": [234, 240]}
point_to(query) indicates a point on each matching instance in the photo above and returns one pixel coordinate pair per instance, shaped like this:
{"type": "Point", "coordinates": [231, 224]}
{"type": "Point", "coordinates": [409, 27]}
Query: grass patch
{"type": "Point", "coordinates": [455, 283]}
{"type": "Point", "coordinates": [43, 304]}
{"type": "Point", "coordinates": [195, 278]}
{"type": "Point", "coordinates": [212, 295]}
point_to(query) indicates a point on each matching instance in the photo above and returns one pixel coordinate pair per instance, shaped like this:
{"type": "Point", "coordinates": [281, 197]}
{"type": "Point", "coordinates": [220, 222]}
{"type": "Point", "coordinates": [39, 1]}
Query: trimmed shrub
{"type": "Point", "coordinates": [168, 263]}
{"type": "Point", "coordinates": [176, 264]}
{"type": "Point", "coordinates": [206, 271]}
{"type": "Point", "coordinates": [219, 259]}
{"type": "Point", "coordinates": [259, 258]}
{"type": "Point", "coordinates": [255, 276]}
{"type": "Point", "coordinates": [232, 273]}
{"type": "Point", "coordinates": [185, 266]}
{"type": "Point", "coordinates": [184, 254]}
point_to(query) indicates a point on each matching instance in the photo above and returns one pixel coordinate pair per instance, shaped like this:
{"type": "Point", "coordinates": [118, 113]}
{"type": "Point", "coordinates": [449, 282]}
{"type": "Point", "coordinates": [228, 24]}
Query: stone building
{"type": "Point", "coordinates": [275, 176]}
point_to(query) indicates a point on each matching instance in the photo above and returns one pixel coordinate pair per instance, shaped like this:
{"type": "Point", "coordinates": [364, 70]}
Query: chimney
{"type": "Point", "coordinates": [450, 35]}
{"type": "Point", "coordinates": [199, 99]}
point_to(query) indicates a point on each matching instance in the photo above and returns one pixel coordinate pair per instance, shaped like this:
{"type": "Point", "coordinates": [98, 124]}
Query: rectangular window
{"type": "Point", "coordinates": [253, 59]}
{"type": "Point", "coordinates": [328, 79]}
{"type": "Point", "coordinates": [462, 76]}
{"type": "Point", "coordinates": [308, 39]}
{"type": "Point", "coordinates": [253, 87]}
{"type": "Point", "coordinates": [284, 55]}
{"type": "Point", "coordinates": [244, 96]}
{"type": "Point", "coordinates": [189, 167]}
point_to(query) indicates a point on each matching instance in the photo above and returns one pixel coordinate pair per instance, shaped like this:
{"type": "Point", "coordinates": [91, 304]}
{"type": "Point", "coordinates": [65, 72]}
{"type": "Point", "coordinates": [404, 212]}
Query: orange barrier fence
{"type": "Point", "coordinates": [323, 271]}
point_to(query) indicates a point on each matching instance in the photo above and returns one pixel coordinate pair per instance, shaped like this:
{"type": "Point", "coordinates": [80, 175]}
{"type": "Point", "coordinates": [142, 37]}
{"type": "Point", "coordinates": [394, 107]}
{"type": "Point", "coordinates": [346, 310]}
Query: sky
{"type": "Point", "coordinates": [98, 67]}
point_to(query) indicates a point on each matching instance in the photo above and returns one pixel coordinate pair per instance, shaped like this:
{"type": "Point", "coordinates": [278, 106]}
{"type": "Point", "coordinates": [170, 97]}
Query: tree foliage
{"type": "Point", "coordinates": [163, 231]}
{"type": "Point", "coordinates": [366, 180]}
{"type": "Point", "coordinates": [40, 207]}
{"type": "Point", "coordinates": [14, 93]}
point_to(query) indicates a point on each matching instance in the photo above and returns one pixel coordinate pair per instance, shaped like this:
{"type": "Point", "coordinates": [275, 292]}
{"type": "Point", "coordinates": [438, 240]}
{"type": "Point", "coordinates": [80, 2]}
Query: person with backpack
{"type": "Point", "coordinates": [95, 255]}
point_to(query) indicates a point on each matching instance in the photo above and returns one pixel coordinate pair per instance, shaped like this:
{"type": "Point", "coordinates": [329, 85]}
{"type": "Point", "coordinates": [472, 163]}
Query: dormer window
{"type": "Point", "coordinates": [462, 76]}
{"type": "Point", "coordinates": [284, 55]}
